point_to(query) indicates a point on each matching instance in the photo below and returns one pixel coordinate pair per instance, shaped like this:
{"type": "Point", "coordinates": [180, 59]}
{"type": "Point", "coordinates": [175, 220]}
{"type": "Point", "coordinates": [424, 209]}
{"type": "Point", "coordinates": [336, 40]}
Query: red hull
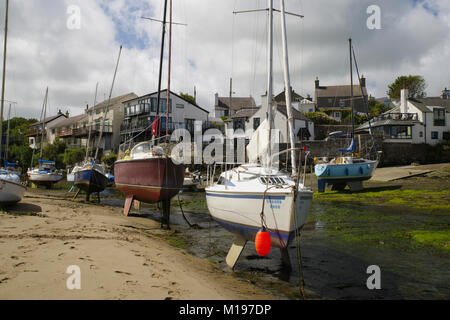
{"type": "Point", "coordinates": [149, 180]}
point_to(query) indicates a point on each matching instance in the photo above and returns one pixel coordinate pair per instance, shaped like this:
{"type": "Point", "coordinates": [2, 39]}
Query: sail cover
{"type": "Point", "coordinates": [351, 148]}
{"type": "Point", "coordinates": [259, 143]}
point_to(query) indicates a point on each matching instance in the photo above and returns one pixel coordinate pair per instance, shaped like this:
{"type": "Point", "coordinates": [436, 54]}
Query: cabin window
{"type": "Point", "coordinates": [272, 181]}
{"type": "Point", "coordinates": [221, 181]}
{"type": "Point", "coordinates": [439, 117]}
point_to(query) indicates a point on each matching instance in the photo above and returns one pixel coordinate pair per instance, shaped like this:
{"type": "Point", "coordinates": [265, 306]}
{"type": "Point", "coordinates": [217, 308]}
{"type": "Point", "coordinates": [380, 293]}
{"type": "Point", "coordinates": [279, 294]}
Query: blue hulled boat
{"type": "Point", "coordinates": [90, 177]}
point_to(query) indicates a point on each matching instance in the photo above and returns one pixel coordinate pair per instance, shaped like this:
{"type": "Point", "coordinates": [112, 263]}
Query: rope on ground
{"type": "Point", "coordinates": [195, 226]}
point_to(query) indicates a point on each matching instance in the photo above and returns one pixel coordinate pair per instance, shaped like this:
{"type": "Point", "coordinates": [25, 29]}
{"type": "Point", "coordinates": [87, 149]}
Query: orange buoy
{"type": "Point", "coordinates": [263, 242]}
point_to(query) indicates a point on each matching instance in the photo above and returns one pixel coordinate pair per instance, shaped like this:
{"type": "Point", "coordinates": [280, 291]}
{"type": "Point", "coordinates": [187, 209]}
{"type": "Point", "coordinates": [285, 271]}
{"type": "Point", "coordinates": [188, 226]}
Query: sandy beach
{"type": "Point", "coordinates": [119, 257]}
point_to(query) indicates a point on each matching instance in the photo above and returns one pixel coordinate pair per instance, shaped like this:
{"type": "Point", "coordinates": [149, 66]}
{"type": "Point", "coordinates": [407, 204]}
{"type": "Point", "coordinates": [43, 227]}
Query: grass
{"type": "Point", "coordinates": [439, 239]}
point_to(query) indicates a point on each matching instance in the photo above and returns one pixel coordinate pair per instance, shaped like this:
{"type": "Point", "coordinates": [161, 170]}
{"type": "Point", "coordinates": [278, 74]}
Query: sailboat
{"type": "Point", "coordinates": [11, 189]}
{"type": "Point", "coordinates": [258, 195]}
{"type": "Point", "coordinates": [348, 169]}
{"type": "Point", "coordinates": [148, 173]}
{"type": "Point", "coordinates": [91, 176]}
{"type": "Point", "coordinates": [46, 174]}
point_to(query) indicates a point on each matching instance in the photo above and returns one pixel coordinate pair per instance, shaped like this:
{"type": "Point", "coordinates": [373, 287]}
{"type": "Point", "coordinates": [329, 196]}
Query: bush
{"type": "Point", "coordinates": [110, 159]}
{"type": "Point", "coordinates": [73, 156]}
{"type": "Point", "coordinates": [320, 118]}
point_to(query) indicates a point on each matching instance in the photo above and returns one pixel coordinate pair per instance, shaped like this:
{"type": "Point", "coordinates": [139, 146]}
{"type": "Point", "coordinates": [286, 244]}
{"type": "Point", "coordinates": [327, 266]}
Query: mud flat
{"type": "Point", "coordinates": [119, 257]}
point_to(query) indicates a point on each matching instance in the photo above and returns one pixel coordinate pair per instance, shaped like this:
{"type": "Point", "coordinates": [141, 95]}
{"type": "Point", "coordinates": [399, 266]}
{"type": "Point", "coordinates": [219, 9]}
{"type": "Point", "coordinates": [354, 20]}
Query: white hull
{"type": "Point", "coordinates": [11, 192]}
{"type": "Point", "coordinates": [237, 206]}
{"type": "Point", "coordinates": [44, 177]}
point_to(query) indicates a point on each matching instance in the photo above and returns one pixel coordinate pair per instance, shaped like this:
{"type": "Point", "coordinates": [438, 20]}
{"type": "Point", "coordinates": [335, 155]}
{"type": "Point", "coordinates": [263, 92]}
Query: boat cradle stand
{"type": "Point", "coordinates": [165, 215]}
{"type": "Point", "coordinates": [238, 246]}
{"type": "Point", "coordinates": [339, 186]}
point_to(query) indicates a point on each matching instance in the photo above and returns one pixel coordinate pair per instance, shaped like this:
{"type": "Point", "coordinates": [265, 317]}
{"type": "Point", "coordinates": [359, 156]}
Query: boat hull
{"type": "Point", "coordinates": [90, 180]}
{"type": "Point", "coordinates": [11, 192]}
{"type": "Point", "coordinates": [345, 172]}
{"type": "Point", "coordinates": [149, 180]}
{"type": "Point", "coordinates": [239, 213]}
{"type": "Point", "coordinates": [44, 178]}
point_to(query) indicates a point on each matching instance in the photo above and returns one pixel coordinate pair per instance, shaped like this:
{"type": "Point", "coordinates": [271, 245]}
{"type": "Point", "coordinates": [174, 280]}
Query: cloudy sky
{"type": "Point", "coordinates": [47, 47]}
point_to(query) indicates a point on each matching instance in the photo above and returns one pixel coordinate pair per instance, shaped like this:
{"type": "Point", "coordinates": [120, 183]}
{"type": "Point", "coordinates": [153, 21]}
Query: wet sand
{"type": "Point", "coordinates": [119, 257]}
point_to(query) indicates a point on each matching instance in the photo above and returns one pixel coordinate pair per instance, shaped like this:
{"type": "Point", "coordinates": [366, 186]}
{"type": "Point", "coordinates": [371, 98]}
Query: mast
{"type": "Point", "coordinates": [169, 66]}
{"type": "Point", "coordinates": [90, 124]}
{"type": "Point", "coordinates": [7, 134]}
{"type": "Point", "coordinates": [43, 122]}
{"type": "Point", "coordinates": [351, 85]}
{"type": "Point", "coordinates": [107, 105]}
{"type": "Point", "coordinates": [270, 79]}
{"type": "Point", "coordinates": [161, 59]}
{"type": "Point", "coordinates": [4, 77]}
{"type": "Point", "coordinates": [287, 83]}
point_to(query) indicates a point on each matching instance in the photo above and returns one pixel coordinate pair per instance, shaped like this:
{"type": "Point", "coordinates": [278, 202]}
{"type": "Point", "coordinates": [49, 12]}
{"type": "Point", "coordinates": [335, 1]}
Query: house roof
{"type": "Point", "coordinates": [69, 121]}
{"type": "Point", "coordinates": [297, 114]}
{"type": "Point", "coordinates": [245, 113]}
{"type": "Point", "coordinates": [163, 96]}
{"type": "Point", "coordinates": [115, 100]}
{"type": "Point", "coordinates": [423, 103]}
{"type": "Point", "coordinates": [281, 97]}
{"type": "Point", "coordinates": [49, 119]}
{"type": "Point", "coordinates": [237, 103]}
{"type": "Point", "coordinates": [339, 91]}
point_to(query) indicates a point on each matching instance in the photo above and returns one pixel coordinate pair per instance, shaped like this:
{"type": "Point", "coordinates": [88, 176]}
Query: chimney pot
{"type": "Point", "coordinates": [317, 82]}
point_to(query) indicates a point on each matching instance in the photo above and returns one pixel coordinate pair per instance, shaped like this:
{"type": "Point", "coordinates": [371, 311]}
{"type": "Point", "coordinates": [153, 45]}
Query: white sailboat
{"type": "Point", "coordinates": [257, 194]}
{"type": "Point", "coordinates": [11, 188]}
{"type": "Point", "coordinates": [46, 174]}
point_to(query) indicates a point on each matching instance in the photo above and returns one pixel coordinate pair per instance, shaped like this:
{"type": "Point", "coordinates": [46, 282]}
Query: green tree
{"type": "Point", "coordinates": [110, 159]}
{"type": "Point", "coordinates": [55, 152]}
{"type": "Point", "coordinates": [73, 156]}
{"type": "Point", "coordinates": [320, 118]}
{"type": "Point", "coordinates": [415, 84]}
{"type": "Point", "coordinates": [188, 97]}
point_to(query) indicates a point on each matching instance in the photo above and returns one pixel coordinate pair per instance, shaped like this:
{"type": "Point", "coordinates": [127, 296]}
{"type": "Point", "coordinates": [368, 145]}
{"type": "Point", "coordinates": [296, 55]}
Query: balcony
{"type": "Point", "coordinates": [397, 116]}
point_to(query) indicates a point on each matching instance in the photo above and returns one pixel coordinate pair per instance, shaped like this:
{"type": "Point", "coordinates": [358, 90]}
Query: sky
{"type": "Point", "coordinates": [70, 45]}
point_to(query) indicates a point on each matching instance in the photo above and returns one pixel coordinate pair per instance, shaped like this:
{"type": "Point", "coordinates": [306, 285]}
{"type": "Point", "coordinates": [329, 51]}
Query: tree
{"type": "Point", "coordinates": [55, 152]}
{"type": "Point", "coordinates": [73, 156]}
{"type": "Point", "coordinates": [415, 84]}
{"type": "Point", "coordinates": [188, 97]}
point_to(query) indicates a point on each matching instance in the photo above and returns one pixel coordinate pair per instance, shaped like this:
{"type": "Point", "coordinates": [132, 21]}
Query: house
{"type": "Point", "coordinates": [34, 132]}
{"type": "Point", "coordinates": [140, 112]}
{"type": "Point", "coordinates": [337, 98]}
{"type": "Point", "coordinates": [415, 120]}
{"type": "Point", "coordinates": [69, 130]}
{"type": "Point", "coordinates": [114, 118]}
{"type": "Point", "coordinates": [229, 106]}
{"type": "Point", "coordinates": [303, 126]}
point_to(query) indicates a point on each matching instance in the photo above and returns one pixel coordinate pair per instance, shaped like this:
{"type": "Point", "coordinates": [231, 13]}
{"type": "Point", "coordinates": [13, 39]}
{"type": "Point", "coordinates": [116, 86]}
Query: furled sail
{"type": "Point", "coordinates": [259, 144]}
{"type": "Point", "coordinates": [351, 148]}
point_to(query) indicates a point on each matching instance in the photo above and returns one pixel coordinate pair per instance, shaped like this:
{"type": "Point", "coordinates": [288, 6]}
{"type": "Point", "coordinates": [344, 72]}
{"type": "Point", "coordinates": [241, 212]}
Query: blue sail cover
{"type": "Point", "coordinates": [351, 148]}
{"type": "Point", "coordinates": [46, 162]}
{"type": "Point", "coordinates": [9, 164]}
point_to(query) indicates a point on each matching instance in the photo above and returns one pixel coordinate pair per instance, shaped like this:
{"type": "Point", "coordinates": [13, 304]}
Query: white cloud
{"type": "Point", "coordinates": [215, 46]}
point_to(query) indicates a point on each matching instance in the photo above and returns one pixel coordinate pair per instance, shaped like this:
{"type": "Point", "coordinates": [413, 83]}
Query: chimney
{"type": "Point", "coordinates": [67, 113]}
{"type": "Point", "coordinates": [308, 97]}
{"type": "Point", "coordinates": [87, 108]}
{"type": "Point", "coordinates": [404, 101]}
{"type": "Point", "coordinates": [363, 81]}
{"type": "Point", "coordinates": [317, 82]}
{"type": "Point", "coordinates": [445, 94]}
{"type": "Point", "coordinates": [216, 96]}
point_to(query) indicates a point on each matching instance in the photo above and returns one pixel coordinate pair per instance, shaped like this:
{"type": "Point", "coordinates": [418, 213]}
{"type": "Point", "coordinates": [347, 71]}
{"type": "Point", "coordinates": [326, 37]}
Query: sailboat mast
{"type": "Point", "coordinates": [270, 78]}
{"type": "Point", "coordinates": [43, 122]}
{"type": "Point", "coordinates": [287, 83]}
{"type": "Point", "coordinates": [161, 59]}
{"type": "Point", "coordinates": [90, 123]}
{"type": "Point", "coordinates": [351, 85]}
{"type": "Point", "coordinates": [7, 134]}
{"type": "Point", "coordinates": [4, 77]}
{"type": "Point", "coordinates": [169, 69]}
{"type": "Point", "coordinates": [105, 111]}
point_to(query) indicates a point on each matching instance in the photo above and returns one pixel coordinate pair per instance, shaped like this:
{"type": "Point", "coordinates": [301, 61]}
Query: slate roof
{"type": "Point", "coordinates": [69, 121]}
{"type": "Point", "coordinates": [237, 103]}
{"type": "Point", "coordinates": [423, 103]}
{"type": "Point", "coordinates": [339, 91]}
{"type": "Point", "coordinates": [297, 114]}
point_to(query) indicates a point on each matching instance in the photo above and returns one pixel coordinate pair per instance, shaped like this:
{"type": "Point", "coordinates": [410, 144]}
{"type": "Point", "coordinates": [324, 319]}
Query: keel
{"type": "Point", "coordinates": [127, 205]}
{"type": "Point", "coordinates": [235, 251]}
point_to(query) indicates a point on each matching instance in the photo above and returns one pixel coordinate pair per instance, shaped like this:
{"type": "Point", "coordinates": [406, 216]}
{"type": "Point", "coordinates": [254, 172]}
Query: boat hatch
{"type": "Point", "coordinates": [272, 181]}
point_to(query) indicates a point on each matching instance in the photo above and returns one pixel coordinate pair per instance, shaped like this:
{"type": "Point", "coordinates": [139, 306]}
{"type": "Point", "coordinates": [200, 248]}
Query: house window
{"type": "Point", "coordinates": [256, 123]}
{"type": "Point", "coordinates": [337, 115]}
{"type": "Point", "coordinates": [421, 134]}
{"type": "Point", "coordinates": [180, 106]}
{"type": "Point", "coordinates": [434, 135]}
{"type": "Point", "coordinates": [400, 132]}
{"type": "Point", "coordinates": [439, 117]}
{"type": "Point", "coordinates": [342, 103]}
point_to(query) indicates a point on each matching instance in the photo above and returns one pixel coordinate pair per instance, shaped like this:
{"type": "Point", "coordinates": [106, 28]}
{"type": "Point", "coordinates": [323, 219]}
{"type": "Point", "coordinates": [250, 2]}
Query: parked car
{"type": "Point", "coordinates": [337, 135]}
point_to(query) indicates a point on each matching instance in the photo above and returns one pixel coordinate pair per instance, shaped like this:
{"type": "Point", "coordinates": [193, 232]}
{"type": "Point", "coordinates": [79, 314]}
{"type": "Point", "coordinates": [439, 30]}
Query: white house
{"type": "Point", "coordinates": [140, 113]}
{"type": "Point", "coordinates": [250, 119]}
{"type": "Point", "coordinates": [424, 120]}
{"type": "Point", "coordinates": [34, 132]}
